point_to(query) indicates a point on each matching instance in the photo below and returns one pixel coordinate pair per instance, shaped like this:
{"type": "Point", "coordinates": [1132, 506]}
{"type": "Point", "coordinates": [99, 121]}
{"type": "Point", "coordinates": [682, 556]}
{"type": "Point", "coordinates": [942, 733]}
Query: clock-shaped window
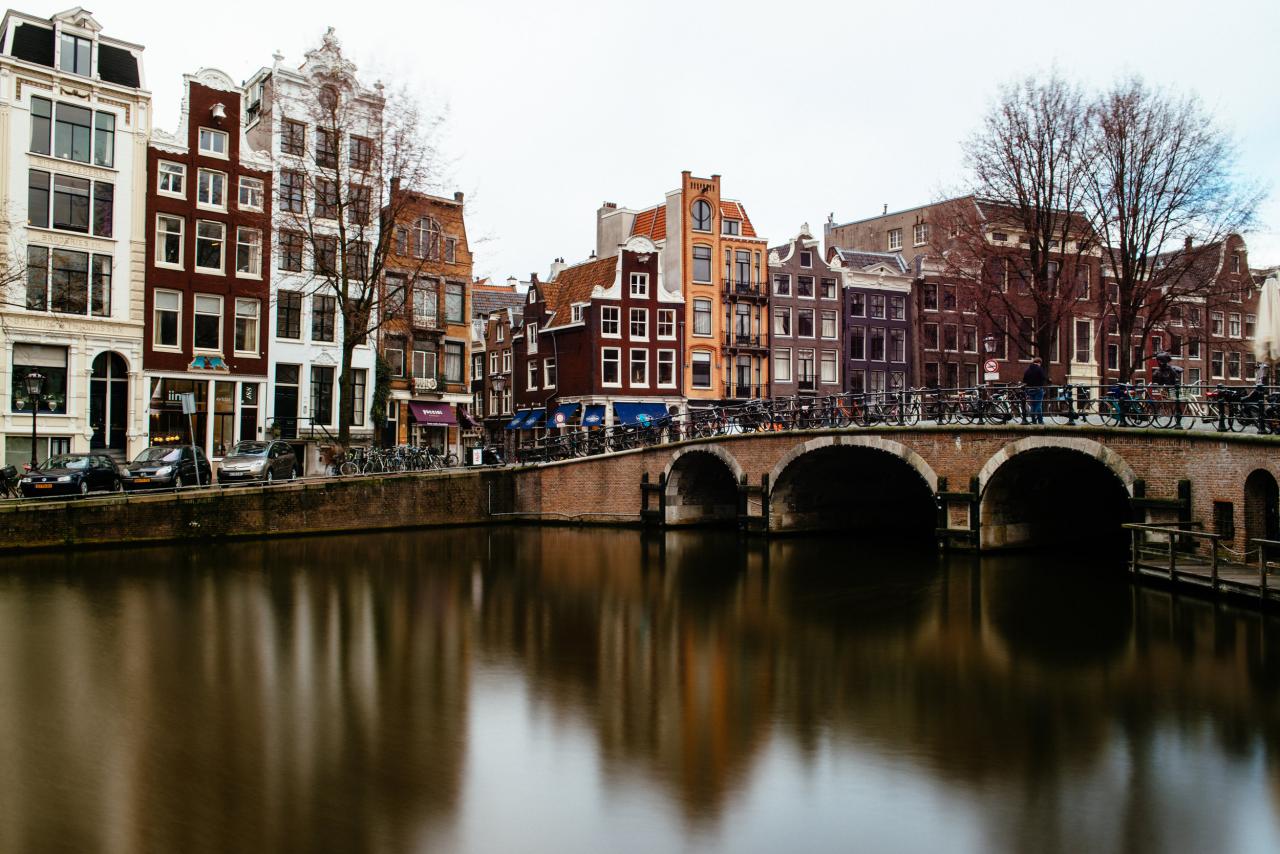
{"type": "Point", "coordinates": [701, 215]}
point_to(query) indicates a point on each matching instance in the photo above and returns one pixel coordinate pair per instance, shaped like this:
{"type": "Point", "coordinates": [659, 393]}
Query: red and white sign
{"type": "Point", "coordinates": [990, 366]}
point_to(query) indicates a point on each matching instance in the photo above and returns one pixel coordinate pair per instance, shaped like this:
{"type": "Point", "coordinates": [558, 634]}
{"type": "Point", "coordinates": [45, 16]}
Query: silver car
{"type": "Point", "coordinates": [258, 461]}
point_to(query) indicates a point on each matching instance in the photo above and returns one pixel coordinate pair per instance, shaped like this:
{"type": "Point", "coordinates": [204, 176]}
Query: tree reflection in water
{"type": "Point", "coordinates": [323, 694]}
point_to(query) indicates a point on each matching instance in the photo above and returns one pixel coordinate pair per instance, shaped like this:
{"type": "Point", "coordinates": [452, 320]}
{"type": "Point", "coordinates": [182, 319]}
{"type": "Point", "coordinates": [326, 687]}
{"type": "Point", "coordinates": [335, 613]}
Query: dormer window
{"type": "Point", "coordinates": [731, 227]}
{"type": "Point", "coordinates": [75, 55]}
{"type": "Point", "coordinates": [533, 296]}
{"type": "Point", "coordinates": [576, 313]}
{"type": "Point", "coordinates": [806, 259]}
{"type": "Point", "coordinates": [213, 142]}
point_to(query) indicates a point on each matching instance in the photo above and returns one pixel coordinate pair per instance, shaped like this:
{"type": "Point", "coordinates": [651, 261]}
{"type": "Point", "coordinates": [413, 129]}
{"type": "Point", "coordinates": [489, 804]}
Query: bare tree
{"type": "Point", "coordinates": [370, 149]}
{"type": "Point", "coordinates": [1161, 194]}
{"type": "Point", "coordinates": [1016, 237]}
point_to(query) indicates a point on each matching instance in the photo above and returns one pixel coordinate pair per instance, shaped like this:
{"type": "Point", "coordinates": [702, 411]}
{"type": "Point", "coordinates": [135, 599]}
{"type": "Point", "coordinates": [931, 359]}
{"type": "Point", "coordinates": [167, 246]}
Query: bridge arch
{"type": "Point", "coordinates": [702, 486]}
{"type": "Point", "coordinates": [1053, 491]}
{"type": "Point", "coordinates": [858, 483]}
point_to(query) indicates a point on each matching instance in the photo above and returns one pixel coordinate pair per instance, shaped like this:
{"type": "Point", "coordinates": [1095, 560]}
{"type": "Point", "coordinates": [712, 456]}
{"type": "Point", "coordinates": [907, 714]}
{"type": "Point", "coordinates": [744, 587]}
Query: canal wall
{"type": "Point", "coordinates": [377, 502]}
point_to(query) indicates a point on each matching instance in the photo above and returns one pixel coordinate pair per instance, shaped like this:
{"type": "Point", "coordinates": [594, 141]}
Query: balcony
{"type": "Point", "coordinates": [746, 291]}
{"type": "Point", "coordinates": [428, 385]}
{"type": "Point", "coordinates": [428, 322]}
{"type": "Point", "coordinates": [735, 341]}
{"type": "Point", "coordinates": [744, 392]}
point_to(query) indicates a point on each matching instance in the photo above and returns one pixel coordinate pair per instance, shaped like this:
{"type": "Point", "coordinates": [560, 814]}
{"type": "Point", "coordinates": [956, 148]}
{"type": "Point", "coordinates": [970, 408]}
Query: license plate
{"type": "Point", "coordinates": [44, 486]}
{"type": "Point", "coordinates": [142, 480]}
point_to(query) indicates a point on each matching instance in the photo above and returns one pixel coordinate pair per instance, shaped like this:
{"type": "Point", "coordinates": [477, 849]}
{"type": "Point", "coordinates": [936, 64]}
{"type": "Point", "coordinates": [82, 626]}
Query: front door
{"type": "Point", "coordinates": [108, 402]}
{"type": "Point", "coordinates": [286, 405]}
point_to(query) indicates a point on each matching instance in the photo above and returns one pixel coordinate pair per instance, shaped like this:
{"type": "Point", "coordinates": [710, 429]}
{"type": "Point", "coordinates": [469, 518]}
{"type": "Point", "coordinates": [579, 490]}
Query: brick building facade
{"type": "Point", "coordinates": [805, 336]}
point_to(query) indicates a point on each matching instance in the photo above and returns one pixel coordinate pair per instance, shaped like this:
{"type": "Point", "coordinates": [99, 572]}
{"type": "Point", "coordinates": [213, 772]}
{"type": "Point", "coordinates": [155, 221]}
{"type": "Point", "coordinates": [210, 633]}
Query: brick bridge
{"type": "Point", "coordinates": [987, 487]}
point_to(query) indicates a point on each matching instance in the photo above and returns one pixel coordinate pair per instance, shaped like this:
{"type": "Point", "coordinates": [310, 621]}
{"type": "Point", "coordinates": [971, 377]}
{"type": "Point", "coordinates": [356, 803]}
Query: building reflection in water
{"type": "Point", "coordinates": [321, 694]}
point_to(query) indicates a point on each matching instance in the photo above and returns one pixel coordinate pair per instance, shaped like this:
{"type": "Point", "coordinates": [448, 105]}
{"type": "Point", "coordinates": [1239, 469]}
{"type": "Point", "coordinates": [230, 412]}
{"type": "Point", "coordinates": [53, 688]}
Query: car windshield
{"type": "Point", "coordinates": [249, 449]}
{"type": "Point", "coordinates": [66, 461]}
{"type": "Point", "coordinates": [159, 455]}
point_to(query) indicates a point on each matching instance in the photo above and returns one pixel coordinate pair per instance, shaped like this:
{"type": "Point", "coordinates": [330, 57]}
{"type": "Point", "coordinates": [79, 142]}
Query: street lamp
{"type": "Point", "coordinates": [35, 391]}
{"type": "Point", "coordinates": [989, 344]}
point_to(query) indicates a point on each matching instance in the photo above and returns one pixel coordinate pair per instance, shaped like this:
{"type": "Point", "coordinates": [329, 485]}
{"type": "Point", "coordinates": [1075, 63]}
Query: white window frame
{"type": "Point", "coordinates": [397, 366]}
{"type": "Point", "coordinates": [835, 366]}
{"type": "Point", "coordinates": [214, 134]}
{"type": "Point", "coordinates": [506, 361]}
{"type": "Point", "coordinates": [895, 239]}
{"type": "Point", "coordinates": [640, 316]}
{"type": "Point", "coordinates": [195, 313]}
{"type": "Point", "coordinates": [182, 242]}
{"type": "Point", "coordinates": [549, 376]}
{"type": "Point", "coordinates": [246, 183]}
{"type": "Point", "coordinates": [697, 356]}
{"type": "Point", "coordinates": [632, 362]}
{"type": "Point", "coordinates": [257, 325]}
{"type": "Point", "coordinates": [222, 255]}
{"type": "Point", "coordinates": [176, 347]}
{"type": "Point", "coordinates": [665, 357]}
{"type": "Point", "coordinates": [213, 174]}
{"type": "Point", "coordinates": [575, 312]}
{"type": "Point", "coordinates": [782, 365]}
{"type": "Point", "coordinates": [920, 233]}
{"type": "Point", "coordinates": [610, 315]}
{"type": "Point", "coordinates": [639, 285]}
{"type": "Point", "coordinates": [823, 317]}
{"type": "Point", "coordinates": [667, 319]}
{"type": "Point", "coordinates": [252, 273]}
{"type": "Point", "coordinates": [493, 361]}
{"type": "Point", "coordinates": [616, 352]}
{"type": "Point", "coordinates": [167, 169]}
{"type": "Point", "coordinates": [531, 369]}
{"type": "Point", "coordinates": [531, 338]}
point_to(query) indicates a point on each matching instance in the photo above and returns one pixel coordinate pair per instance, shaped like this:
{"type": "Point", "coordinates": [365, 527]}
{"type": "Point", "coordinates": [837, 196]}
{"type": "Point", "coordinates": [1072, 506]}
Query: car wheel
{"type": "Point", "coordinates": [84, 487]}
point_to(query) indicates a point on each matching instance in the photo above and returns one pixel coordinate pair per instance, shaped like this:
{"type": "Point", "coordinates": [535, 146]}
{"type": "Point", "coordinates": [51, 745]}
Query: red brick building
{"type": "Point", "coordinates": [208, 275]}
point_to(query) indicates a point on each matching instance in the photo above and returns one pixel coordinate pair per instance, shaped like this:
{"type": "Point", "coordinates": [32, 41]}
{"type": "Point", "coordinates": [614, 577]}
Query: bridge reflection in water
{"type": "Point", "coordinates": [560, 689]}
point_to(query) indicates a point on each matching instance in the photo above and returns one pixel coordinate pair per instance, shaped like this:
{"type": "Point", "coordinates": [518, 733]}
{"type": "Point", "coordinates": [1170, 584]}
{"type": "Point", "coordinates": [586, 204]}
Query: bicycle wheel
{"type": "Point", "coordinates": [911, 414]}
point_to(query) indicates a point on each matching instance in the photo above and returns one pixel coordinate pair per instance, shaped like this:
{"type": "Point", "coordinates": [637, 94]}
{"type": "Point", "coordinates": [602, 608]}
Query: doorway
{"type": "Point", "coordinates": [108, 402]}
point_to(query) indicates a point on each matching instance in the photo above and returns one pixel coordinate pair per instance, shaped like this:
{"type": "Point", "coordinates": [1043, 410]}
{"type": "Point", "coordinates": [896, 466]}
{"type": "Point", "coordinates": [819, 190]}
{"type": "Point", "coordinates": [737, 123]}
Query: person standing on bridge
{"type": "Point", "coordinates": [1035, 379]}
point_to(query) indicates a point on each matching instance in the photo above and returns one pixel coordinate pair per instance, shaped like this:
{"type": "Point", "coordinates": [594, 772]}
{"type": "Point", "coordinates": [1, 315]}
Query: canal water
{"type": "Point", "coordinates": [565, 690]}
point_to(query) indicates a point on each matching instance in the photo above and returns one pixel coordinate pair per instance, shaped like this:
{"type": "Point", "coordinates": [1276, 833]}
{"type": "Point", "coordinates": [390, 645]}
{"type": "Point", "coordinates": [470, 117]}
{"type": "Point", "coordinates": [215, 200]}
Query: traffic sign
{"type": "Point", "coordinates": [991, 366]}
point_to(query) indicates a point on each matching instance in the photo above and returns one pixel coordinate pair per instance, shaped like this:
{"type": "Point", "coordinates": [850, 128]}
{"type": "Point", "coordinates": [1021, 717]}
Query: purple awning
{"type": "Point", "coordinates": [432, 413]}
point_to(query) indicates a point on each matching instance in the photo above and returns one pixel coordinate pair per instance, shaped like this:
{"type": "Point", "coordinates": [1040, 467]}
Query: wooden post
{"type": "Point", "coordinates": [1213, 561]}
{"type": "Point", "coordinates": [1262, 571]}
{"type": "Point", "coordinates": [1133, 551]}
{"type": "Point", "coordinates": [1172, 557]}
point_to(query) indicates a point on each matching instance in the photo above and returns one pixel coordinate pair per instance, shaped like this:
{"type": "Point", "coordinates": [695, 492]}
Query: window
{"type": "Point", "coordinates": [949, 297]}
{"type": "Point", "coordinates": [575, 313]}
{"type": "Point", "coordinates": [828, 324]}
{"type": "Point", "coordinates": [100, 290]}
{"type": "Point", "coordinates": [104, 139]}
{"type": "Point", "coordinates": [806, 259]}
{"type": "Point", "coordinates": [857, 303]}
{"type": "Point", "coordinates": [731, 227]}
{"type": "Point", "coordinates": [103, 208]}
{"type": "Point", "coordinates": [1113, 357]}
{"type": "Point", "coordinates": [666, 369]}
{"type": "Point", "coordinates": [210, 237]}
{"type": "Point", "coordinates": [1250, 325]}
{"type": "Point", "coordinates": [610, 366]}
{"type": "Point", "coordinates": [454, 302]}
{"type": "Point", "coordinates": [782, 321]}
{"type": "Point", "coordinates": [1083, 350]}
{"type": "Point", "coordinates": [172, 179]}
{"type": "Point", "coordinates": [426, 238]}
{"type": "Point", "coordinates": [857, 342]}
{"type": "Point", "coordinates": [828, 288]}
{"type": "Point", "coordinates": [291, 251]}
{"type": "Point", "coordinates": [166, 319]}
{"type": "Point", "coordinates": [326, 198]}
{"type": "Point", "coordinates": [782, 364]}
{"type": "Point", "coordinates": [450, 243]}
{"type": "Point", "coordinates": [395, 361]}
{"type": "Point", "coordinates": [289, 314]}
{"type": "Point", "coordinates": [213, 142]}
{"type": "Point", "coordinates": [950, 337]}
{"type": "Point", "coordinates": [929, 297]}
{"type": "Point", "coordinates": [531, 382]}
{"type": "Point", "coordinates": [67, 276]}
{"type": "Point", "coordinates": [702, 317]}
{"type": "Point", "coordinates": [41, 124]}
{"type": "Point", "coordinates": [549, 372]}
{"type": "Point", "coordinates": [211, 189]}
{"type": "Point", "coordinates": [701, 212]}
{"type": "Point", "coordinates": [804, 322]}
{"type": "Point", "coordinates": [1215, 323]}
{"type": "Point", "coordinates": [38, 198]}
{"type": "Point", "coordinates": [322, 394]}
{"type": "Point", "coordinates": [1233, 365]}
{"type": "Point", "coordinates": [897, 308]}
{"type": "Point", "coordinates": [207, 329]}
{"type": "Point", "coordinates": [1233, 325]}
{"type": "Point", "coordinates": [639, 366]}
{"type": "Point", "coordinates": [782, 285]}
{"type": "Point", "coordinates": [929, 336]}
{"type": "Point", "coordinates": [324, 311]}
{"type": "Point", "coordinates": [640, 324]}
{"type": "Point", "coordinates": [804, 286]}
{"type": "Point", "coordinates": [71, 132]}
{"type": "Point", "coordinates": [877, 306]}
{"type": "Point", "coordinates": [361, 153]}
{"type": "Point", "coordinates": [666, 323]}
{"type": "Point", "coordinates": [293, 197]}
{"type": "Point", "coordinates": [531, 337]}
{"type": "Point", "coordinates": [424, 363]}
{"type": "Point", "coordinates": [701, 263]}
{"type": "Point", "coordinates": [358, 212]}
{"type": "Point", "coordinates": [251, 193]}
{"type": "Point", "coordinates": [1235, 262]}
{"type": "Point", "coordinates": [1216, 364]}
{"type": "Point", "coordinates": [742, 261]}
{"type": "Point", "coordinates": [424, 304]}
{"type": "Point", "coordinates": [248, 252]}
{"type": "Point", "coordinates": [804, 367]}
{"type": "Point", "coordinates": [358, 385]}
{"type": "Point", "coordinates": [969, 339]}
{"type": "Point", "coordinates": [293, 137]}
{"type": "Point", "coordinates": [897, 345]}
{"type": "Point", "coordinates": [701, 364]}
{"type": "Point", "coordinates": [324, 255]}
{"type": "Point", "coordinates": [74, 55]}
{"type": "Point", "coordinates": [326, 149]}
{"type": "Point", "coordinates": [1193, 315]}
{"type": "Point", "coordinates": [247, 326]}
{"type": "Point", "coordinates": [493, 361]}
{"type": "Point", "coordinates": [640, 284]}
{"type": "Point", "coordinates": [71, 203]}
{"type": "Point", "coordinates": [895, 239]}
{"type": "Point", "coordinates": [920, 233]}
{"type": "Point", "coordinates": [827, 367]}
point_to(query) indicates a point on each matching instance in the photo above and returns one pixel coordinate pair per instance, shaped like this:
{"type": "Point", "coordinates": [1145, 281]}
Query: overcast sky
{"type": "Point", "coordinates": [803, 108]}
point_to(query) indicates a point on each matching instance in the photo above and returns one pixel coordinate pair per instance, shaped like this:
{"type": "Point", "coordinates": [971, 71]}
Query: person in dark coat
{"type": "Point", "coordinates": [1035, 379]}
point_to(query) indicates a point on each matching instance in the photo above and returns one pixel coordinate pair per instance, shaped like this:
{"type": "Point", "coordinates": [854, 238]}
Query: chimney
{"type": "Point", "coordinates": [608, 206]}
{"type": "Point", "coordinates": [593, 255]}
{"type": "Point", "coordinates": [556, 267]}
{"type": "Point", "coordinates": [395, 185]}
{"type": "Point", "coordinates": [886, 209]}
{"type": "Point", "coordinates": [457, 197]}
{"type": "Point", "coordinates": [512, 281]}
{"type": "Point", "coordinates": [1186, 243]}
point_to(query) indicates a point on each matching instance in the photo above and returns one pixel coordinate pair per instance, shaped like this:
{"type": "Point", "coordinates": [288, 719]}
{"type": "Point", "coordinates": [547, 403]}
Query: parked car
{"type": "Point", "coordinates": [258, 460]}
{"type": "Point", "coordinates": [165, 466]}
{"type": "Point", "coordinates": [72, 474]}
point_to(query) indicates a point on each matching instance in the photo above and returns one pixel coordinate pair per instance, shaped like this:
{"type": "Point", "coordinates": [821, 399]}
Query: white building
{"type": "Point", "coordinates": [74, 120]}
{"type": "Point", "coordinates": [306, 329]}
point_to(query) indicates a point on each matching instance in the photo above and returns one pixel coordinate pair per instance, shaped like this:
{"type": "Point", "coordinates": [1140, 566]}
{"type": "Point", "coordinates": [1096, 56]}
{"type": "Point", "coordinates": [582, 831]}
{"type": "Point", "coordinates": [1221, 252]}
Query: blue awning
{"type": "Point", "coordinates": [643, 414]}
{"type": "Point", "coordinates": [563, 414]}
{"type": "Point", "coordinates": [534, 419]}
{"type": "Point", "coordinates": [593, 417]}
{"type": "Point", "coordinates": [517, 420]}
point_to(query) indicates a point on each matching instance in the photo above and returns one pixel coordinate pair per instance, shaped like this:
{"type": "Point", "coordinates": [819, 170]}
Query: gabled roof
{"type": "Point", "coordinates": [651, 223]}
{"type": "Point", "coordinates": [485, 300]}
{"type": "Point", "coordinates": [734, 210]}
{"type": "Point", "coordinates": [575, 284]}
{"type": "Point", "coordinates": [859, 260]}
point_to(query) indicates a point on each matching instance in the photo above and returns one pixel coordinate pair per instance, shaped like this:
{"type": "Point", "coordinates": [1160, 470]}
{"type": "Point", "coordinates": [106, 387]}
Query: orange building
{"type": "Point", "coordinates": [710, 251]}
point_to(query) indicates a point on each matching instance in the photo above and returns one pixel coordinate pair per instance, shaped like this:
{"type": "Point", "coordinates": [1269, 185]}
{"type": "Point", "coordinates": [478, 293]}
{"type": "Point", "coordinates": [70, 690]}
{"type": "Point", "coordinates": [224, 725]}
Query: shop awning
{"type": "Point", "coordinates": [594, 416]}
{"type": "Point", "coordinates": [563, 414]}
{"type": "Point", "coordinates": [643, 414]}
{"type": "Point", "coordinates": [432, 413]}
{"type": "Point", "coordinates": [535, 419]}
{"type": "Point", "coordinates": [466, 418]}
{"type": "Point", "coordinates": [517, 420]}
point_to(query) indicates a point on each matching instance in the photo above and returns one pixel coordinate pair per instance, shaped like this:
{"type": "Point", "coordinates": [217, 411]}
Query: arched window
{"type": "Point", "coordinates": [426, 238]}
{"type": "Point", "coordinates": [701, 215]}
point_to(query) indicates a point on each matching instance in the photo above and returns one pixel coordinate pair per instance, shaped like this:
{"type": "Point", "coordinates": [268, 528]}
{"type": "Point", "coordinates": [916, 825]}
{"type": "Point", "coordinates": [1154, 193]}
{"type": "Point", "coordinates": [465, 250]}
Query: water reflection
{"type": "Point", "coordinates": [560, 689]}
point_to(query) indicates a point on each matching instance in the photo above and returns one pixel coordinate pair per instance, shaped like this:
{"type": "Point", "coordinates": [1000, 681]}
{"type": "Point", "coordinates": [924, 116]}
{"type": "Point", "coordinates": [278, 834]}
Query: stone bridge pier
{"type": "Point", "coordinates": [964, 487]}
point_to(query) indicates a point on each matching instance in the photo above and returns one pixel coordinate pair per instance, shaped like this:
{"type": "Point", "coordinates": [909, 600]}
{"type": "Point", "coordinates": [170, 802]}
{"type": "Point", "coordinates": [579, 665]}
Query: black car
{"type": "Point", "coordinates": [72, 474]}
{"type": "Point", "coordinates": [254, 460]}
{"type": "Point", "coordinates": [164, 466]}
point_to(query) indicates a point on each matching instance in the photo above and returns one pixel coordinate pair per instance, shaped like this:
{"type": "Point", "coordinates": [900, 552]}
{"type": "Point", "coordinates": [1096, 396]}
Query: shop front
{"type": "Point", "coordinates": [434, 424]}
{"type": "Point", "coordinates": [227, 411]}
